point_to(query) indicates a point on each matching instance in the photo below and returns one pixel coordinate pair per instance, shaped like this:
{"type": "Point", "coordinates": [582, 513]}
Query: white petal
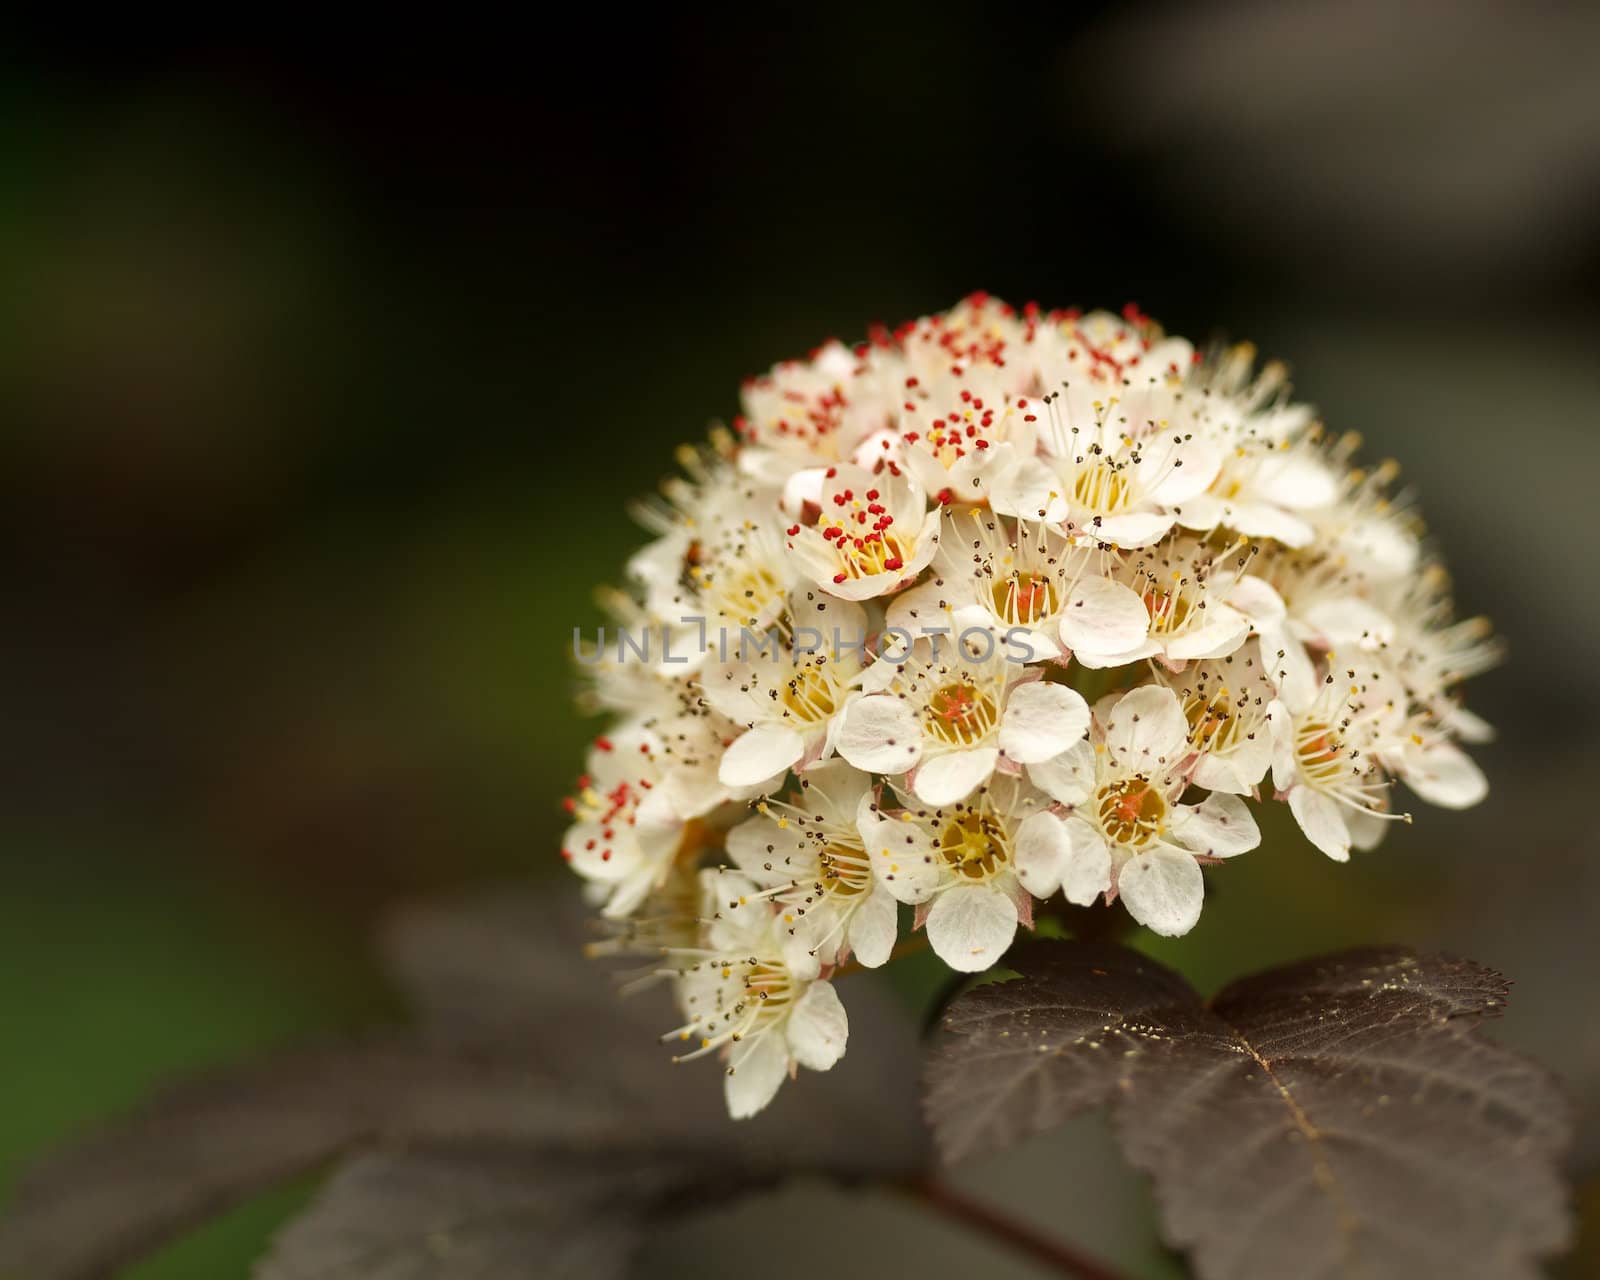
{"type": "Point", "coordinates": [1040, 852]}
{"type": "Point", "coordinates": [880, 734]}
{"type": "Point", "coordinates": [1296, 479]}
{"type": "Point", "coordinates": [873, 927]}
{"type": "Point", "coordinates": [1446, 776]}
{"type": "Point", "coordinates": [970, 926]}
{"type": "Point", "coordinates": [594, 857]}
{"type": "Point", "coordinates": [732, 691]}
{"type": "Point", "coordinates": [760, 843]}
{"type": "Point", "coordinates": [954, 775]}
{"type": "Point", "coordinates": [1146, 730]}
{"type": "Point", "coordinates": [1321, 818]}
{"type": "Point", "coordinates": [818, 1027]}
{"type": "Point", "coordinates": [1103, 617]}
{"type": "Point", "coordinates": [1163, 890]}
{"type": "Point", "coordinates": [1136, 529]}
{"type": "Point", "coordinates": [757, 755]}
{"type": "Point", "coordinates": [758, 1069]}
{"type": "Point", "coordinates": [1224, 631]}
{"type": "Point", "coordinates": [901, 854]}
{"type": "Point", "coordinates": [1088, 872]}
{"type": "Point", "coordinates": [1030, 491]}
{"type": "Point", "coordinates": [1220, 826]}
{"type": "Point", "coordinates": [1068, 778]}
{"type": "Point", "coordinates": [1257, 600]}
{"type": "Point", "coordinates": [924, 606]}
{"type": "Point", "coordinates": [1201, 463]}
{"type": "Point", "coordinates": [1041, 721]}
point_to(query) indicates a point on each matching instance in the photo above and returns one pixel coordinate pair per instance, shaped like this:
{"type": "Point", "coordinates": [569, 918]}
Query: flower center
{"type": "Point", "coordinates": [810, 695]}
{"type": "Point", "coordinates": [1169, 610]}
{"type": "Point", "coordinates": [843, 871]}
{"type": "Point", "coordinates": [1101, 487]}
{"type": "Point", "coordinates": [959, 715]}
{"type": "Point", "coordinates": [1024, 598]}
{"type": "Point", "coordinates": [871, 554]}
{"type": "Point", "coordinates": [1131, 811]}
{"type": "Point", "coordinates": [1317, 747]}
{"type": "Point", "coordinates": [747, 594]}
{"type": "Point", "coordinates": [975, 846]}
{"type": "Point", "coordinates": [1212, 722]}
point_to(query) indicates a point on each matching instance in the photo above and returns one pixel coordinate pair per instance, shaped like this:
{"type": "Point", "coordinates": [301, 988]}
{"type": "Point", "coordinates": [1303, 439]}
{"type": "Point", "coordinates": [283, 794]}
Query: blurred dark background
{"type": "Point", "coordinates": [322, 388]}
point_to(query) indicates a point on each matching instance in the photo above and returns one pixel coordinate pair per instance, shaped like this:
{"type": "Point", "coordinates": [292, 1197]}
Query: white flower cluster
{"type": "Point", "coordinates": [1017, 604]}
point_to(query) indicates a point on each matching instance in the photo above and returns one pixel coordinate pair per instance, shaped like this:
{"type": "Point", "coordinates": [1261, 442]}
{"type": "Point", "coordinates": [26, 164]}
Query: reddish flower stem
{"type": "Point", "coordinates": [1059, 1257]}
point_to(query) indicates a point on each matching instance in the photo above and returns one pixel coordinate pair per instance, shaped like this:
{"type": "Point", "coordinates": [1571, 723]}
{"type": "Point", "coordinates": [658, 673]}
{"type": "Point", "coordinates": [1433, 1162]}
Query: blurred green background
{"type": "Point", "coordinates": [322, 388]}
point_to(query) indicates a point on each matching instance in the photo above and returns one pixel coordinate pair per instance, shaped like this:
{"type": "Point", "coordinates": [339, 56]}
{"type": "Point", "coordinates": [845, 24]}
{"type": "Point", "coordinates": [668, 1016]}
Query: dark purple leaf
{"type": "Point", "coordinates": [1338, 1118]}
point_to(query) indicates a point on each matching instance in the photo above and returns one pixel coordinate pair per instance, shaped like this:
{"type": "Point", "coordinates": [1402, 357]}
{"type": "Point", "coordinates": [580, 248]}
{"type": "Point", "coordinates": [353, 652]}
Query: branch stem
{"type": "Point", "coordinates": [1023, 1238]}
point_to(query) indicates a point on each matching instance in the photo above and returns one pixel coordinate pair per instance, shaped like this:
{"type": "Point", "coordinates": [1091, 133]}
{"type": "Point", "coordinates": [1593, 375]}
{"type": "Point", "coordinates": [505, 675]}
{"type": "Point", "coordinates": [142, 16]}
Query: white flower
{"type": "Point", "coordinates": [633, 808]}
{"type": "Point", "coordinates": [741, 994]}
{"type": "Point", "coordinates": [949, 713]}
{"type": "Point", "coordinates": [1165, 596]}
{"type": "Point", "coordinates": [807, 858]}
{"type": "Point", "coordinates": [1114, 476]}
{"type": "Point", "coordinates": [958, 865]}
{"type": "Point", "coordinates": [1014, 571]}
{"type": "Point", "coordinates": [1327, 749]}
{"type": "Point", "coordinates": [1225, 701]}
{"type": "Point", "coordinates": [1128, 833]}
{"type": "Point", "coordinates": [873, 533]}
{"type": "Point", "coordinates": [789, 699]}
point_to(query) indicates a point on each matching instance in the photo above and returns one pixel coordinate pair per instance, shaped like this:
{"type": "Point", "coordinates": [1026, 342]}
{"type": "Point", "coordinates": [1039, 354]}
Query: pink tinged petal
{"type": "Point", "coordinates": [1322, 819]}
{"type": "Point", "coordinates": [954, 775]}
{"type": "Point", "coordinates": [1163, 890]}
{"type": "Point", "coordinates": [880, 734]}
{"type": "Point", "coordinates": [1040, 853]}
{"type": "Point", "coordinates": [760, 753]}
{"type": "Point", "coordinates": [1220, 826]}
{"type": "Point", "coordinates": [1068, 778]}
{"type": "Point", "coordinates": [1103, 617]}
{"type": "Point", "coordinates": [1136, 529]}
{"type": "Point", "coordinates": [873, 927]}
{"type": "Point", "coordinates": [1146, 729]}
{"type": "Point", "coordinates": [818, 1027]}
{"type": "Point", "coordinates": [1446, 776]}
{"type": "Point", "coordinates": [970, 926]}
{"type": "Point", "coordinates": [1225, 630]}
{"type": "Point", "coordinates": [758, 1068]}
{"type": "Point", "coordinates": [1041, 721]}
{"type": "Point", "coordinates": [1088, 871]}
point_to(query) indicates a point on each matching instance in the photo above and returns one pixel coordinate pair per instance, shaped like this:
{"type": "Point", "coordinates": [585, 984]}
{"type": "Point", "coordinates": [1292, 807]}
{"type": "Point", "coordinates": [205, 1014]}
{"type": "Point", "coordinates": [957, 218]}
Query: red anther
{"type": "Point", "coordinates": [839, 577]}
{"type": "Point", "coordinates": [945, 497]}
{"type": "Point", "coordinates": [603, 743]}
{"type": "Point", "coordinates": [894, 562]}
